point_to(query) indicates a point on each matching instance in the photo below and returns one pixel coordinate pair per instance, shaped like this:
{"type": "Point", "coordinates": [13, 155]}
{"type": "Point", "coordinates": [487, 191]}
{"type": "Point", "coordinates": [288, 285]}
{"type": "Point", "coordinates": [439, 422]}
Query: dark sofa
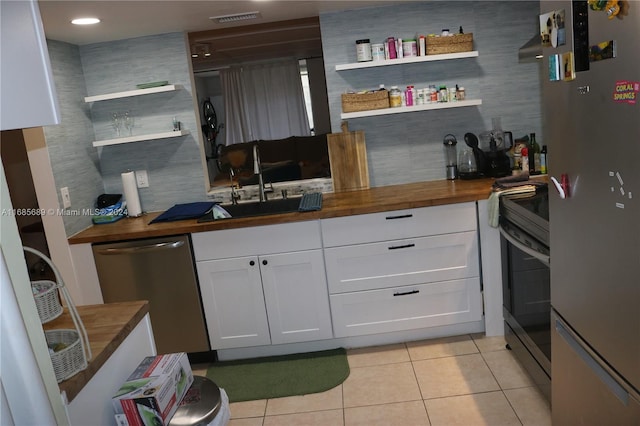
{"type": "Point", "coordinates": [292, 158]}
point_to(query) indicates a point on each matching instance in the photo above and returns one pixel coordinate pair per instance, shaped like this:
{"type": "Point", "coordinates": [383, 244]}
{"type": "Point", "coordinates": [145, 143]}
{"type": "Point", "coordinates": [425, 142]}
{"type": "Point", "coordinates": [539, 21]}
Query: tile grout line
{"type": "Point", "coordinates": [500, 386]}
{"type": "Point", "coordinates": [413, 368]}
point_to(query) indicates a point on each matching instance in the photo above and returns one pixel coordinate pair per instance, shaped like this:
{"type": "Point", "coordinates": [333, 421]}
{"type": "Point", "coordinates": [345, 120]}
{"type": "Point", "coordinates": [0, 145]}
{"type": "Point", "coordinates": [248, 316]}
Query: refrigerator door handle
{"type": "Point", "coordinates": [528, 250]}
{"type": "Point", "coordinates": [606, 378]}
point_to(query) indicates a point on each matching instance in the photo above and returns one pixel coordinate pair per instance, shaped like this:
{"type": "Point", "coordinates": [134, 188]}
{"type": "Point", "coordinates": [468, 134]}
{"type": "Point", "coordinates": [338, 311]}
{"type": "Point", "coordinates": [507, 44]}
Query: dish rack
{"type": "Point", "coordinates": [75, 352]}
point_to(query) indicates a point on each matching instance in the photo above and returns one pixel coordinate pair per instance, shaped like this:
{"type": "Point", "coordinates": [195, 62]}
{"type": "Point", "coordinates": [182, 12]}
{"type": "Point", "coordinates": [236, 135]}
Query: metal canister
{"type": "Point", "coordinates": [200, 405]}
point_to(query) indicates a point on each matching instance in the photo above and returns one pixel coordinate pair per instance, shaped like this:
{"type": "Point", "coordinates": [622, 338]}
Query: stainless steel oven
{"type": "Point", "coordinates": [524, 229]}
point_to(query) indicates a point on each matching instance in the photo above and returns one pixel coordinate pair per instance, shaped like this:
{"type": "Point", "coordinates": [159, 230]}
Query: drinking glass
{"type": "Point", "coordinates": [116, 122]}
{"type": "Point", "coordinates": [128, 121]}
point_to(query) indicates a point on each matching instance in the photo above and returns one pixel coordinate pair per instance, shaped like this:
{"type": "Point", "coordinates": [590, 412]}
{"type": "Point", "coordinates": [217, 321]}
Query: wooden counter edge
{"type": "Point", "coordinates": [373, 200]}
{"type": "Point", "coordinates": [131, 313]}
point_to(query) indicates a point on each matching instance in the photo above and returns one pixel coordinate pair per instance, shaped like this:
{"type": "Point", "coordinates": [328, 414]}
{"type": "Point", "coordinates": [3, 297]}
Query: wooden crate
{"type": "Point", "coordinates": [450, 44]}
{"type": "Point", "coordinates": [353, 102]}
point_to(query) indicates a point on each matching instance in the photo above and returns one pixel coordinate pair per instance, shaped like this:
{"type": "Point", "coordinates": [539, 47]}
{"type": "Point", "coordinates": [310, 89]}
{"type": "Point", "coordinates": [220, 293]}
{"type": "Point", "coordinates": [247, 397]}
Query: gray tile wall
{"type": "Point", "coordinates": [405, 148]}
{"type": "Point", "coordinates": [173, 165]}
{"type": "Point", "coordinates": [74, 161]}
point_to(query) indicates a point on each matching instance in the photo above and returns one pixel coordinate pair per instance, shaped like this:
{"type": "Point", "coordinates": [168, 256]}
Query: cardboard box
{"type": "Point", "coordinates": [152, 393]}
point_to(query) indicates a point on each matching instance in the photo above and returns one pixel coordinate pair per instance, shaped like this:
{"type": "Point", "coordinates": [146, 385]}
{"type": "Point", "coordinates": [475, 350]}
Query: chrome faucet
{"type": "Point", "coordinates": [257, 170]}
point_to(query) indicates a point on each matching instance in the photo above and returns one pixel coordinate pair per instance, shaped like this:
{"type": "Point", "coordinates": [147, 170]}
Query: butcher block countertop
{"type": "Point", "coordinates": [107, 326]}
{"type": "Point", "coordinates": [386, 198]}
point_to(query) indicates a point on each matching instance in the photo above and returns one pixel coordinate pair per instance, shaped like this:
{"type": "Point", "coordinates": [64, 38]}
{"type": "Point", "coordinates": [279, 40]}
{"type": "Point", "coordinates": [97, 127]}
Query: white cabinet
{"type": "Point", "coordinates": [275, 294]}
{"type": "Point", "coordinates": [233, 302]}
{"type": "Point", "coordinates": [92, 406]}
{"type": "Point", "coordinates": [29, 97]}
{"type": "Point", "coordinates": [403, 270]}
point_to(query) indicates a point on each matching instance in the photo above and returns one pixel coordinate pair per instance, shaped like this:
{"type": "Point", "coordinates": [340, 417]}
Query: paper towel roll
{"type": "Point", "coordinates": [131, 194]}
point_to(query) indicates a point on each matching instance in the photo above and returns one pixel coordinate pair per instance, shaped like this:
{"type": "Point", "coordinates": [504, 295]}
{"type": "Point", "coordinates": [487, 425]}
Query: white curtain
{"type": "Point", "coordinates": [264, 101]}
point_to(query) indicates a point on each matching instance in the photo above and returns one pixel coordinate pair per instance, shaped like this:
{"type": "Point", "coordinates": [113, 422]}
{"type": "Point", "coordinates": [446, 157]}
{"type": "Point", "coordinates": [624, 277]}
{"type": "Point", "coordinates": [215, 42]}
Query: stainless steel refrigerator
{"type": "Point", "coordinates": [591, 125]}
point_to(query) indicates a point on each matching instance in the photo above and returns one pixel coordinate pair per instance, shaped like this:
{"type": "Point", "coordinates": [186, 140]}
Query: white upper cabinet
{"type": "Point", "coordinates": [29, 97]}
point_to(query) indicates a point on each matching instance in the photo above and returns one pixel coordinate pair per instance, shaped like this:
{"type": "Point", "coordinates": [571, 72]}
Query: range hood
{"type": "Point", "coordinates": [531, 51]}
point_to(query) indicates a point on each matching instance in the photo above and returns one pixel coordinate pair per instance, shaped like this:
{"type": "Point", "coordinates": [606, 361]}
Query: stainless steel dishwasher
{"type": "Point", "coordinates": [160, 270]}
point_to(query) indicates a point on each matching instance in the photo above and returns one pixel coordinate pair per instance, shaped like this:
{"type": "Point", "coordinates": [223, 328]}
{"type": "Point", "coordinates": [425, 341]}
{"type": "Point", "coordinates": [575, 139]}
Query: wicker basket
{"type": "Point", "coordinates": [74, 357]}
{"type": "Point", "coordinates": [353, 102]}
{"type": "Point", "coordinates": [48, 304]}
{"type": "Point", "coordinates": [69, 361]}
{"type": "Point", "coordinates": [450, 44]}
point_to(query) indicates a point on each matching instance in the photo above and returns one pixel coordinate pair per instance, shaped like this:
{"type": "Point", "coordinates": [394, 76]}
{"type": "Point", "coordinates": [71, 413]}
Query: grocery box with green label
{"type": "Point", "coordinates": [152, 393]}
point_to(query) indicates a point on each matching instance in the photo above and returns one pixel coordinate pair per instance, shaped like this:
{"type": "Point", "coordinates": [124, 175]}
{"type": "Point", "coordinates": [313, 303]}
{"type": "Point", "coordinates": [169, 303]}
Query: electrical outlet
{"type": "Point", "coordinates": [142, 179]}
{"type": "Point", "coordinates": [66, 198]}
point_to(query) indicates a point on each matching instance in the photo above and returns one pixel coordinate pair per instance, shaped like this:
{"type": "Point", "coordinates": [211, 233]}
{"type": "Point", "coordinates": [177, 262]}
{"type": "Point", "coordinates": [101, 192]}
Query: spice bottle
{"type": "Point", "coordinates": [433, 93]}
{"type": "Point", "coordinates": [442, 95]}
{"type": "Point", "coordinates": [408, 96]}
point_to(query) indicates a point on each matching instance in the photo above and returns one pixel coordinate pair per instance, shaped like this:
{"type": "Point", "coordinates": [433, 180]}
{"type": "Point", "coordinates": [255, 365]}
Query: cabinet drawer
{"type": "Point", "coordinates": [405, 308]}
{"type": "Point", "coordinates": [257, 240]}
{"type": "Point", "coordinates": [402, 262]}
{"type": "Point", "coordinates": [398, 224]}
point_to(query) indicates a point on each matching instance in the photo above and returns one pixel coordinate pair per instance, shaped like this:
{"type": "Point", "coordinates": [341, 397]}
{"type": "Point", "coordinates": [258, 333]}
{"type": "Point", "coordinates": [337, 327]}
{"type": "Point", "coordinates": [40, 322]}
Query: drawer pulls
{"type": "Point", "coordinates": [402, 246]}
{"type": "Point", "coordinates": [406, 293]}
{"type": "Point", "coordinates": [402, 216]}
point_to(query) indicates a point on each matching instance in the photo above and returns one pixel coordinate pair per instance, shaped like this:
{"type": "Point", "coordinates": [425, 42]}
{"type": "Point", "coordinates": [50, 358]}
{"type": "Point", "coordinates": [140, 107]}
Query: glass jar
{"type": "Point", "coordinates": [395, 97]}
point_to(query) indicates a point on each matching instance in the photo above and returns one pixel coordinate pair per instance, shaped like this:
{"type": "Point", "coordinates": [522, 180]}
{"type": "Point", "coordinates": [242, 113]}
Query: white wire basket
{"type": "Point", "coordinates": [69, 349]}
{"type": "Point", "coordinates": [45, 293]}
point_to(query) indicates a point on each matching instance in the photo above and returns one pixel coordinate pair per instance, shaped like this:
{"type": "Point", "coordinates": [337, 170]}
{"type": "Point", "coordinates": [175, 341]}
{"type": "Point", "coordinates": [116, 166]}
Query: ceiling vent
{"type": "Point", "coordinates": [225, 19]}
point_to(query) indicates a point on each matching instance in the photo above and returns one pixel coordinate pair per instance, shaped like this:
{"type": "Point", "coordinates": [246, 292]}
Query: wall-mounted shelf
{"type": "Point", "coordinates": [130, 93]}
{"type": "Point", "coordinates": [414, 59]}
{"type": "Point", "coordinates": [415, 108]}
{"type": "Point", "coordinates": [140, 138]}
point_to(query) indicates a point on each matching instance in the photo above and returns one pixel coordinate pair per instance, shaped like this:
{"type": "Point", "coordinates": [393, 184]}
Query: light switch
{"type": "Point", "coordinates": [142, 178]}
{"type": "Point", "coordinates": [66, 198]}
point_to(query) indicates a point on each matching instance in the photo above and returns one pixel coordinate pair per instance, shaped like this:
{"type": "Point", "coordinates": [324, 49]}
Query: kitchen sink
{"type": "Point", "coordinates": [282, 205]}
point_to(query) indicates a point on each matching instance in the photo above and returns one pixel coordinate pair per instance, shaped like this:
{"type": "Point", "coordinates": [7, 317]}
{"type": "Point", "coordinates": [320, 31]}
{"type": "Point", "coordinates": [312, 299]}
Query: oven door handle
{"type": "Point", "coordinates": [528, 250]}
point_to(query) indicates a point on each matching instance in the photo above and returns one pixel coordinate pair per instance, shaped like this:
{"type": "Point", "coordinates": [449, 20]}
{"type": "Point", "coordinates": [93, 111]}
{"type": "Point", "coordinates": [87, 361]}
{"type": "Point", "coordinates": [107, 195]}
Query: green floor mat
{"type": "Point", "coordinates": [278, 376]}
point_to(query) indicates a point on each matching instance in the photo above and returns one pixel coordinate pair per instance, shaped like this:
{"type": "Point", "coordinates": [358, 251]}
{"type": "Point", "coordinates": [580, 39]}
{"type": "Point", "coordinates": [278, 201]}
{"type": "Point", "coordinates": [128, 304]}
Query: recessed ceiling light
{"type": "Point", "coordinates": [223, 19]}
{"type": "Point", "coordinates": [85, 21]}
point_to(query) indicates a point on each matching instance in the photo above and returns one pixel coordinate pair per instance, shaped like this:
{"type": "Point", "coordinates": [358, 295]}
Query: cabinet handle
{"type": "Point", "coordinates": [402, 216]}
{"type": "Point", "coordinates": [406, 293]}
{"type": "Point", "coordinates": [401, 247]}
{"type": "Point", "coordinates": [264, 262]}
{"type": "Point", "coordinates": [140, 249]}
{"type": "Point", "coordinates": [252, 263]}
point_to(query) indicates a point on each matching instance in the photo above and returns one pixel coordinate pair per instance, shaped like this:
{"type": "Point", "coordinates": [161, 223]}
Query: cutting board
{"type": "Point", "coordinates": [348, 158]}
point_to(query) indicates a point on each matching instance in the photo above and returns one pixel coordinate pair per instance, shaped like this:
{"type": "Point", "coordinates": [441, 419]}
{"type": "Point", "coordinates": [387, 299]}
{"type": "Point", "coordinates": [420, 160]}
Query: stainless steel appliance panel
{"type": "Point", "coordinates": [161, 271]}
{"type": "Point", "coordinates": [595, 232]}
{"type": "Point", "coordinates": [603, 397]}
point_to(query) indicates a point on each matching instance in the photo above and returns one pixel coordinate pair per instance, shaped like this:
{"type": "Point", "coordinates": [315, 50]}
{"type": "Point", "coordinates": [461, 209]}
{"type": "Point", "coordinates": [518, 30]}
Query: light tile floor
{"type": "Point", "coordinates": [464, 380]}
